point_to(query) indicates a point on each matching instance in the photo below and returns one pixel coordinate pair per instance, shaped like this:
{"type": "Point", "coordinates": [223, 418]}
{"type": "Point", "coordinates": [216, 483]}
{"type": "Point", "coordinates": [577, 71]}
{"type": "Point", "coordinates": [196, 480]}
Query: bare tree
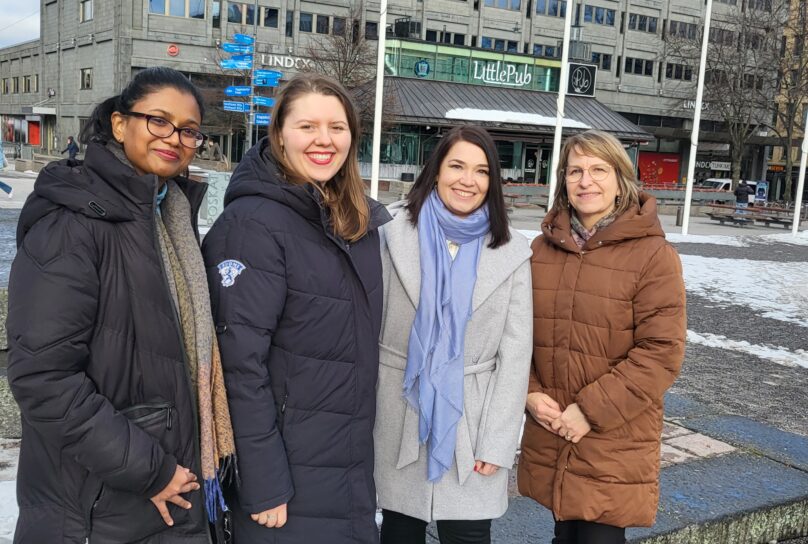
{"type": "Point", "coordinates": [348, 54]}
{"type": "Point", "coordinates": [792, 97]}
{"type": "Point", "coordinates": [741, 72]}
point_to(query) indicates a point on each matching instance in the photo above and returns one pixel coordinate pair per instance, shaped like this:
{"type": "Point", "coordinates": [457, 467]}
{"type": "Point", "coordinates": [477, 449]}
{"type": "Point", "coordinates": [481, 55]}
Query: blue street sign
{"type": "Point", "coordinates": [236, 48]}
{"type": "Point", "coordinates": [243, 39]}
{"type": "Point", "coordinates": [229, 64]}
{"type": "Point", "coordinates": [242, 58]}
{"type": "Point", "coordinates": [237, 90]}
{"type": "Point", "coordinates": [261, 119]}
{"type": "Point", "coordinates": [263, 82]}
{"type": "Point", "coordinates": [243, 107]}
{"type": "Point", "coordinates": [268, 74]}
{"type": "Point", "coordinates": [263, 101]}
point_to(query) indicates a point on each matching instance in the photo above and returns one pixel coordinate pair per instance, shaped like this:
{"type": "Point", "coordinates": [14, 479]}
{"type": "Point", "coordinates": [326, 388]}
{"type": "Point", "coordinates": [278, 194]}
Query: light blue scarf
{"type": "Point", "coordinates": [433, 379]}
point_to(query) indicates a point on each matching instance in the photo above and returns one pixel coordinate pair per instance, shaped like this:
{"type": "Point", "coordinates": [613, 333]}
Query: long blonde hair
{"type": "Point", "coordinates": [344, 195]}
{"type": "Point", "coordinates": [602, 145]}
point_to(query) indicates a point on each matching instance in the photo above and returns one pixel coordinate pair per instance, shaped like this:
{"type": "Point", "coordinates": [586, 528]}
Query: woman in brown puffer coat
{"type": "Point", "coordinates": [609, 336]}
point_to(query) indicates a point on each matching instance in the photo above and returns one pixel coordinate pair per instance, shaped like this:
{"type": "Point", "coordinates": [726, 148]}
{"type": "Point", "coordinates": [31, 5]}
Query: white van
{"type": "Point", "coordinates": [725, 184]}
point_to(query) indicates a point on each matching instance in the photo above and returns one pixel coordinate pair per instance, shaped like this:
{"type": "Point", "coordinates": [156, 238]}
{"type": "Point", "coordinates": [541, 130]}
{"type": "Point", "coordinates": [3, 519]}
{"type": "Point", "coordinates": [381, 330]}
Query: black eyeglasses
{"type": "Point", "coordinates": [163, 128]}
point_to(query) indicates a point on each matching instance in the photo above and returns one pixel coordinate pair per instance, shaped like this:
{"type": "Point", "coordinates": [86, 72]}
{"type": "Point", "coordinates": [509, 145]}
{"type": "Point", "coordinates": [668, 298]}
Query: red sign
{"type": "Point", "coordinates": [173, 50]}
{"type": "Point", "coordinates": [659, 167]}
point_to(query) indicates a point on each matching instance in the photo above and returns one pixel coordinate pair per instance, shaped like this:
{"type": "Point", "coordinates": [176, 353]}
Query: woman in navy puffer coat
{"type": "Point", "coordinates": [295, 276]}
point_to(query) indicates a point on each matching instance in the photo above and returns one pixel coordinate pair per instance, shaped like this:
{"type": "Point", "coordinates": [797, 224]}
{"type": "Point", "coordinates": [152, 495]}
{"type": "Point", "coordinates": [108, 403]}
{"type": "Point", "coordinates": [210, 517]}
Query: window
{"type": "Point", "coordinates": [514, 5]}
{"type": "Point", "coordinates": [551, 51]}
{"type": "Point", "coordinates": [15, 85]}
{"type": "Point", "coordinates": [680, 72]}
{"type": "Point", "coordinates": [459, 39]}
{"type": "Point", "coordinates": [553, 8]}
{"type": "Point", "coordinates": [728, 2]}
{"type": "Point", "coordinates": [643, 23]}
{"type": "Point", "coordinates": [486, 42]}
{"type": "Point", "coordinates": [499, 45]}
{"type": "Point", "coordinates": [600, 16]}
{"type": "Point", "coordinates": [760, 5]}
{"type": "Point", "coordinates": [603, 60]}
{"type": "Point", "coordinates": [240, 14]}
{"type": "Point", "coordinates": [322, 24]}
{"type": "Point", "coordinates": [722, 36]}
{"type": "Point", "coordinates": [306, 22]}
{"type": "Point", "coordinates": [5, 88]}
{"type": "Point", "coordinates": [371, 31]}
{"type": "Point", "coordinates": [26, 84]}
{"type": "Point", "coordinates": [338, 26]}
{"type": "Point", "coordinates": [85, 11]}
{"type": "Point", "coordinates": [681, 29]}
{"type": "Point", "coordinates": [234, 13]}
{"type": "Point", "coordinates": [86, 78]}
{"type": "Point", "coordinates": [640, 67]}
{"type": "Point", "coordinates": [432, 35]}
{"type": "Point", "coordinates": [270, 17]}
{"type": "Point", "coordinates": [216, 16]}
{"type": "Point", "coordinates": [290, 23]}
{"type": "Point", "coordinates": [194, 9]}
{"type": "Point", "coordinates": [36, 83]}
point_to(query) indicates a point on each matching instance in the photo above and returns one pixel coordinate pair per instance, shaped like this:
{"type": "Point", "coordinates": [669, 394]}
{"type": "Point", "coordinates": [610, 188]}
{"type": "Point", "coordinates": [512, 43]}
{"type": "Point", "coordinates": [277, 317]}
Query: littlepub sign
{"type": "Point", "coordinates": [502, 73]}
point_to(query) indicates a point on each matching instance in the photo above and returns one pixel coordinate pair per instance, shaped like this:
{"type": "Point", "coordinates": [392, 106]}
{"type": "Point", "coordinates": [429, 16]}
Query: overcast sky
{"type": "Point", "coordinates": [19, 21]}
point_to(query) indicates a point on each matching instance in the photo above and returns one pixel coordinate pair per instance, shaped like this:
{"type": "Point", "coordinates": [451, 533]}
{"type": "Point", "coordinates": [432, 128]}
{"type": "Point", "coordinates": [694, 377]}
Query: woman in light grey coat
{"type": "Point", "coordinates": [455, 348]}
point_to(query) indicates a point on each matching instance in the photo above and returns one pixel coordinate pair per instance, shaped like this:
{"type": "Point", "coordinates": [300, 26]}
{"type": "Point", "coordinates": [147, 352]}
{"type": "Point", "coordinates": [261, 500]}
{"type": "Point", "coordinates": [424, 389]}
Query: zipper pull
{"type": "Point", "coordinates": [168, 419]}
{"type": "Point", "coordinates": [283, 406]}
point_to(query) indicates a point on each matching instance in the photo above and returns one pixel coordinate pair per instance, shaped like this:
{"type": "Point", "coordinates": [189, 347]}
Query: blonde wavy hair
{"type": "Point", "coordinates": [602, 145]}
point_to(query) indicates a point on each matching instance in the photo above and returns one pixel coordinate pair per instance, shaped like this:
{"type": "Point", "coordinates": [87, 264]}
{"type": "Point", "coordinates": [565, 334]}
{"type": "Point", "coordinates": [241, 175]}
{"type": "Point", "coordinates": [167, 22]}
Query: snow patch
{"type": "Point", "coordinates": [778, 354]}
{"type": "Point", "coordinates": [517, 117]}
{"type": "Point", "coordinates": [8, 510]}
{"type": "Point", "coordinates": [774, 289]}
{"type": "Point", "coordinates": [733, 241]}
{"type": "Point", "coordinates": [801, 239]}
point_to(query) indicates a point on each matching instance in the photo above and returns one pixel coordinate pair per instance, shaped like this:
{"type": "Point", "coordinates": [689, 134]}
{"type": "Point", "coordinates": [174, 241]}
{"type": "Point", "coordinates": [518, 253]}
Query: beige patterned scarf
{"type": "Point", "coordinates": [189, 289]}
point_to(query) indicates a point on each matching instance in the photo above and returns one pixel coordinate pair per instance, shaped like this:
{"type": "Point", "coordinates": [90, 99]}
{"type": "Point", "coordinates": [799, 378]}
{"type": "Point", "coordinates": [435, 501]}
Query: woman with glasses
{"type": "Point", "coordinates": [609, 337]}
{"type": "Point", "coordinates": [112, 351]}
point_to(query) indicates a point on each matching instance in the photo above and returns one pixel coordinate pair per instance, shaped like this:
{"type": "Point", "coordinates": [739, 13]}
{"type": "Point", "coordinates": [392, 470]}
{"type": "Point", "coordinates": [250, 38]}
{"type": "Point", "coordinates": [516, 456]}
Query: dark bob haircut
{"type": "Point", "coordinates": [99, 126]}
{"type": "Point", "coordinates": [426, 181]}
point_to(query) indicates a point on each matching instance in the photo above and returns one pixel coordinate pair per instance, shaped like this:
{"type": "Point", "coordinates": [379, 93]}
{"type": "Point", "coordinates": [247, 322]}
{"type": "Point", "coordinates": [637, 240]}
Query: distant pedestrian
{"type": "Point", "coordinates": [72, 148]}
{"type": "Point", "coordinates": [742, 193]}
{"type": "Point", "coordinates": [609, 337]}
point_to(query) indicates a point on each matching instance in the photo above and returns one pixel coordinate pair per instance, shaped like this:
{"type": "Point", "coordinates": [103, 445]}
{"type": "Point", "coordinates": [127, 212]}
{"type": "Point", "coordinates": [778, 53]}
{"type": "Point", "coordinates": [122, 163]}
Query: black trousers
{"type": "Point", "coordinates": [587, 532]}
{"type": "Point", "coordinates": [401, 529]}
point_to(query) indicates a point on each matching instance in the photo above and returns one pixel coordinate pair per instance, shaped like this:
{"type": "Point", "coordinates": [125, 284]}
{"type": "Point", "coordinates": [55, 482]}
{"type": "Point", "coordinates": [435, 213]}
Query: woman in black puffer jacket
{"type": "Point", "coordinates": [295, 276]}
{"type": "Point", "coordinates": [99, 360]}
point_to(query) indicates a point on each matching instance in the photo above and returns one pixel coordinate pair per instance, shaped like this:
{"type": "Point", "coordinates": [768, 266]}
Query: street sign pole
{"type": "Point", "coordinates": [252, 85]}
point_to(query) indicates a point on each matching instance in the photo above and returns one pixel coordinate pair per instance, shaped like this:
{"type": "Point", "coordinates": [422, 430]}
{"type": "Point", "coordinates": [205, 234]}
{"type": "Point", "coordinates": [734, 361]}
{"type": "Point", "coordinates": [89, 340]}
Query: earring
{"type": "Point", "coordinates": [617, 200]}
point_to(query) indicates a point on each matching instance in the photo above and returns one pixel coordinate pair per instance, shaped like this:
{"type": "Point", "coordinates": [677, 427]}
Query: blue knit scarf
{"type": "Point", "coordinates": [433, 379]}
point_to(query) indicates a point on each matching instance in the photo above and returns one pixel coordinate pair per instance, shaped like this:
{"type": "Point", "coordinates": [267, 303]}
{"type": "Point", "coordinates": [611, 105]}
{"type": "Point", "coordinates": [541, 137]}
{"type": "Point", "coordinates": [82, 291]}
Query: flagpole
{"type": "Point", "coordinates": [795, 227]}
{"type": "Point", "coordinates": [377, 105]}
{"type": "Point", "coordinates": [562, 92]}
{"type": "Point", "coordinates": [694, 134]}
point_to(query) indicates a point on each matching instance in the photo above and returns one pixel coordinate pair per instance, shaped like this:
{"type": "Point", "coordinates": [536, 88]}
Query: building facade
{"type": "Point", "coordinates": [88, 50]}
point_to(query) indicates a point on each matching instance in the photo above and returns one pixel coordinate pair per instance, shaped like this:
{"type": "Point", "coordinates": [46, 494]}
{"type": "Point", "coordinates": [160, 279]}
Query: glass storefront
{"type": "Point", "coordinates": [440, 62]}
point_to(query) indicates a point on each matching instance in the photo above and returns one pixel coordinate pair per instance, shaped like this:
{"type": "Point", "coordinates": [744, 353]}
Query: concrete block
{"type": "Point", "coordinates": [671, 430]}
{"type": "Point", "coordinates": [700, 445]}
{"type": "Point", "coordinates": [670, 455]}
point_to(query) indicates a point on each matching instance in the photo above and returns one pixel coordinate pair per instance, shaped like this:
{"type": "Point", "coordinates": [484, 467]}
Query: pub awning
{"type": "Point", "coordinates": [499, 109]}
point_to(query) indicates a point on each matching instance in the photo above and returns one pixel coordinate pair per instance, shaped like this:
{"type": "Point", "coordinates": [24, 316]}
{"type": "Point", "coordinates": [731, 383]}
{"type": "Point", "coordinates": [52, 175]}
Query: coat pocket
{"type": "Point", "coordinates": [119, 516]}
